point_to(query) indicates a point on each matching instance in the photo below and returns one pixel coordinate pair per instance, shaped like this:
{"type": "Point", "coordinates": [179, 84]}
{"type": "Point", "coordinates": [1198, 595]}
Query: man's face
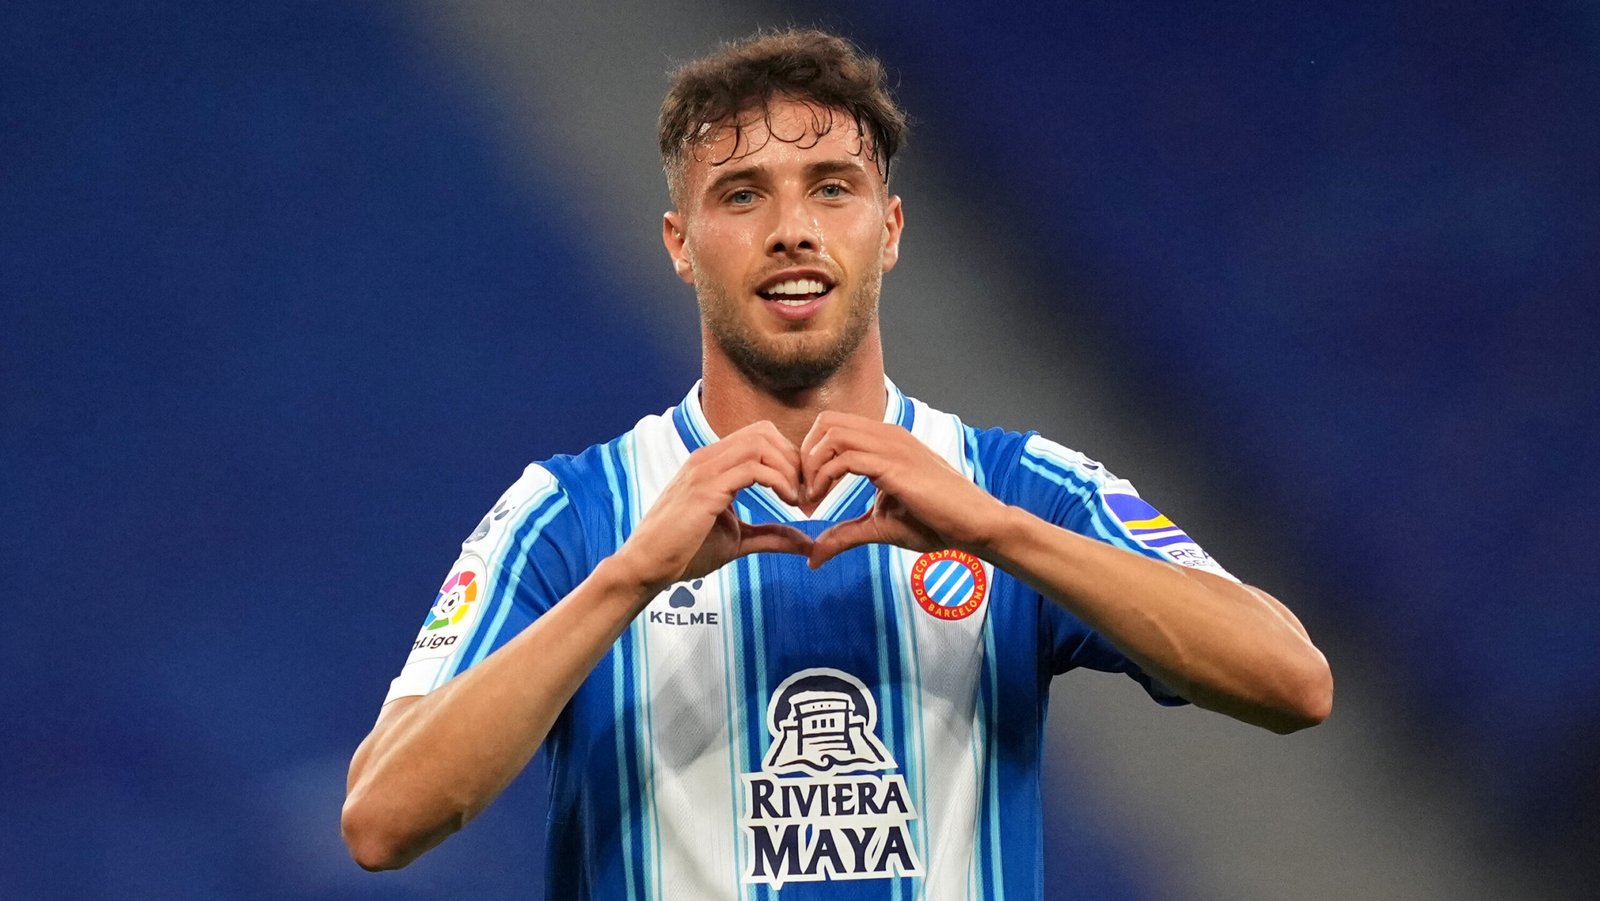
{"type": "Point", "coordinates": [785, 237]}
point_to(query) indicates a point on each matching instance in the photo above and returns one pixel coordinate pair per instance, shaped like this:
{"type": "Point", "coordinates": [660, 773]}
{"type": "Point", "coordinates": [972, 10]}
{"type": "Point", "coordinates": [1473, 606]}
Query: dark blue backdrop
{"type": "Point", "coordinates": [277, 328]}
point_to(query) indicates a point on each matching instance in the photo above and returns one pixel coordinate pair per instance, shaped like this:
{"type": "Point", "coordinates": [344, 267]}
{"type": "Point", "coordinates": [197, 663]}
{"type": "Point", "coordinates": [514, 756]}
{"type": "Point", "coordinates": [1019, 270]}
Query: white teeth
{"type": "Point", "coordinates": [797, 286]}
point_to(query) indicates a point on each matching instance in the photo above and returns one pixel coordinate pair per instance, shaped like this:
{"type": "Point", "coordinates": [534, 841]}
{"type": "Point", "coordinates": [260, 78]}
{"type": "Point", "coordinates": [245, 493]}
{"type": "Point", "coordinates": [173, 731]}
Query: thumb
{"type": "Point", "coordinates": [842, 537]}
{"type": "Point", "coordinates": [773, 538]}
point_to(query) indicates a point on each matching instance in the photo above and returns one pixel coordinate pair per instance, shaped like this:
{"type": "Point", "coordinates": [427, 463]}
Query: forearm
{"type": "Point", "coordinates": [1224, 646]}
{"type": "Point", "coordinates": [428, 769]}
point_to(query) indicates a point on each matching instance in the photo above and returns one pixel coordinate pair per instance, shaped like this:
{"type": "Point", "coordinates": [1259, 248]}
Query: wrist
{"type": "Point", "coordinates": [998, 525]}
{"type": "Point", "coordinates": [620, 574]}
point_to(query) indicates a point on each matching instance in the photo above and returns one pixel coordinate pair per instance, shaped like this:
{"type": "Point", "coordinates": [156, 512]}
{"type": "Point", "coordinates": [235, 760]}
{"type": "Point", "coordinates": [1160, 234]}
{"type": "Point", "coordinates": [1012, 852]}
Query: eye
{"type": "Point", "coordinates": [832, 191]}
{"type": "Point", "coordinates": [742, 197]}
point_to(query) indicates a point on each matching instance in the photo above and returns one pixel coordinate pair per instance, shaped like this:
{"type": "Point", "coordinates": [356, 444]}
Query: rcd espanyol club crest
{"type": "Point", "coordinates": [949, 584]}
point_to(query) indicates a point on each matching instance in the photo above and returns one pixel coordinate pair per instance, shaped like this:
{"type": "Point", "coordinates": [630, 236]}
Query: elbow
{"type": "Point", "coordinates": [372, 842]}
{"type": "Point", "coordinates": [1309, 702]}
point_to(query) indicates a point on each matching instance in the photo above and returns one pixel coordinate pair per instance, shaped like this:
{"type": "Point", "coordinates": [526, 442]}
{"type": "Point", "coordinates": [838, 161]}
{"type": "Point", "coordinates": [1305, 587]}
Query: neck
{"type": "Point", "coordinates": [731, 401]}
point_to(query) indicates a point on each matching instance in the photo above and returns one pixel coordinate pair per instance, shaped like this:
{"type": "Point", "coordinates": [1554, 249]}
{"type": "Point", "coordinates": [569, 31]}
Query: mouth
{"type": "Point", "coordinates": [796, 296]}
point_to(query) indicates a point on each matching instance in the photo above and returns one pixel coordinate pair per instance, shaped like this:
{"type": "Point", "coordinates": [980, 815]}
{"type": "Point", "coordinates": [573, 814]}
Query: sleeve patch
{"type": "Point", "coordinates": [454, 612]}
{"type": "Point", "coordinates": [1151, 528]}
{"type": "Point", "coordinates": [526, 493]}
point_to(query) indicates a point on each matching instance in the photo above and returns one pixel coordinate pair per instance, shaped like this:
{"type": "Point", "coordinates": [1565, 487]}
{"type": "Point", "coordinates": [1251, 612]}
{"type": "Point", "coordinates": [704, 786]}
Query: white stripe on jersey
{"type": "Point", "coordinates": [683, 683]}
{"type": "Point", "coordinates": [945, 660]}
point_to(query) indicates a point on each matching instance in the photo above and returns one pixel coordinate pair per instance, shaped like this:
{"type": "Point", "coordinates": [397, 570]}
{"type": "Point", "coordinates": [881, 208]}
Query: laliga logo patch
{"type": "Point", "coordinates": [805, 819]}
{"type": "Point", "coordinates": [949, 584]}
{"type": "Point", "coordinates": [453, 610]}
{"type": "Point", "coordinates": [456, 597]}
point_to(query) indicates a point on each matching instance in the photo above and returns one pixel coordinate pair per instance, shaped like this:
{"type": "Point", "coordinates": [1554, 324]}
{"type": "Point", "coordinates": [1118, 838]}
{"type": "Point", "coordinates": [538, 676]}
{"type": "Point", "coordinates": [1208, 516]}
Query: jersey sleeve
{"type": "Point", "coordinates": [524, 556]}
{"type": "Point", "coordinates": [1068, 489]}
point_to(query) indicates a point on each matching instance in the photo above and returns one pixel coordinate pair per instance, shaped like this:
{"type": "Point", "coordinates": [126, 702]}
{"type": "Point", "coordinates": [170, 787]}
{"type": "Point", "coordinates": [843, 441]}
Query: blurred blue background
{"type": "Point", "coordinates": [290, 292]}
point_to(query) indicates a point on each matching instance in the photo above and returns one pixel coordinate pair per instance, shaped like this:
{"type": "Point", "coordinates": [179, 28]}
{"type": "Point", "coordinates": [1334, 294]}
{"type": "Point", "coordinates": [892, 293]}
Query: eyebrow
{"type": "Point", "coordinates": [819, 169]}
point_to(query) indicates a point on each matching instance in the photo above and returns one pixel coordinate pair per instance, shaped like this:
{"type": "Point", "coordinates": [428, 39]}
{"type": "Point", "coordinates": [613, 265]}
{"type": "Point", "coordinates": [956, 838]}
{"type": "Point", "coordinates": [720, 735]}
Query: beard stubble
{"type": "Point", "coordinates": [785, 371]}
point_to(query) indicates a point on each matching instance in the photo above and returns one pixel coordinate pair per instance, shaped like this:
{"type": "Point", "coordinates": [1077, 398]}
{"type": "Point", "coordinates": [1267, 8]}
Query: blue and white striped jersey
{"type": "Point", "coordinates": [871, 729]}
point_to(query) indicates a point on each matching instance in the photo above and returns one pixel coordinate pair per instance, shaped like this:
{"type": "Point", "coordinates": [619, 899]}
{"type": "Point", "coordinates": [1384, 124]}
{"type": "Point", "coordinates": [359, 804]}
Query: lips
{"type": "Point", "coordinates": [796, 294]}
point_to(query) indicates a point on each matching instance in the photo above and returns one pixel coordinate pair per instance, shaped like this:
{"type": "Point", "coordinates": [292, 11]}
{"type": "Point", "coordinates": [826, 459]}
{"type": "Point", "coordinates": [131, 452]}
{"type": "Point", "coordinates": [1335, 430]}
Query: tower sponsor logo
{"type": "Point", "coordinates": [949, 584]}
{"type": "Point", "coordinates": [454, 608]}
{"type": "Point", "coordinates": [824, 806]}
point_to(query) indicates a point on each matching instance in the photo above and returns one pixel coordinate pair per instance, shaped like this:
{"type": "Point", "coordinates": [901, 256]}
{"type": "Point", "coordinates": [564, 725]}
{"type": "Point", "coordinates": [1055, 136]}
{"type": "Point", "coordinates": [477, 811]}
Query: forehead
{"type": "Point", "coordinates": [784, 132]}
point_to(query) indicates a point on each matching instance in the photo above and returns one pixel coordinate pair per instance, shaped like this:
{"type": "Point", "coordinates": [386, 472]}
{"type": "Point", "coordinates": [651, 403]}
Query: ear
{"type": "Point", "coordinates": [675, 236]}
{"type": "Point", "coordinates": [894, 220]}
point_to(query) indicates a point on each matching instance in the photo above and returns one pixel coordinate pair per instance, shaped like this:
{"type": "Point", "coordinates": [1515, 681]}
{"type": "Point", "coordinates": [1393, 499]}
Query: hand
{"type": "Point", "coordinates": [692, 530]}
{"type": "Point", "coordinates": [923, 503]}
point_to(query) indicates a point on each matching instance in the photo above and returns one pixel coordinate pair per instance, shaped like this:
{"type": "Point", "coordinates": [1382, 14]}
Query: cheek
{"type": "Point", "coordinates": [865, 239]}
{"type": "Point", "coordinates": [715, 248]}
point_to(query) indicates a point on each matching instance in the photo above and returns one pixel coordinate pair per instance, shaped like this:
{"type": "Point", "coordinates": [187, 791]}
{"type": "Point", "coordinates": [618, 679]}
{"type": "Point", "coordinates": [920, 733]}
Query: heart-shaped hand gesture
{"type": "Point", "coordinates": [923, 503]}
{"type": "Point", "coordinates": [692, 529]}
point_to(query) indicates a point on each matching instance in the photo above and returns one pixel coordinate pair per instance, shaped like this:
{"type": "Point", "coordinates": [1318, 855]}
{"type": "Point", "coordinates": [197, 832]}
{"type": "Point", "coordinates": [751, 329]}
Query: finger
{"type": "Point", "coordinates": [819, 427]}
{"type": "Point", "coordinates": [757, 472]}
{"type": "Point", "coordinates": [773, 538]}
{"type": "Point", "coordinates": [765, 432]}
{"type": "Point", "coordinates": [787, 475]}
{"type": "Point", "coordinates": [781, 453]}
{"type": "Point", "coordinates": [748, 460]}
{"type": "Point", "coordinates": [809, 461]}
{"type": "Point", "coordinates": [822, 441]}
{"type": "Point", "coordinates": [763, 441]}
{"type": "Point", "coordinates": [862, 463]}
{"type": "Point", "coordinates": [824, 446]}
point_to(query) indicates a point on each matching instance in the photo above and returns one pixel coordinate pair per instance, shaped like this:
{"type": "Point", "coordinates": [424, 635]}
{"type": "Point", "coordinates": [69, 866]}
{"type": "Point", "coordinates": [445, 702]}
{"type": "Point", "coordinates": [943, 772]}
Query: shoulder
{"type": "Point", "coordinates": [988, 455]}
{"type": "Point", "coordinates": [1018, 467]}
{"type": "Point", "coordinates": [604, 469]}
{"type": "Point", "coordinates": [608, 484]}
{"type": "Point", "coordinates": [1064, 466]}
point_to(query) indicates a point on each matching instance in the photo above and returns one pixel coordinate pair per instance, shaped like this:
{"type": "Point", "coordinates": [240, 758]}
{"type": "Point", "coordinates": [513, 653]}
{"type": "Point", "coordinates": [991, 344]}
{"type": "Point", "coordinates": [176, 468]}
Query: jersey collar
{"type": "Point", "coordinates": [695, 432]}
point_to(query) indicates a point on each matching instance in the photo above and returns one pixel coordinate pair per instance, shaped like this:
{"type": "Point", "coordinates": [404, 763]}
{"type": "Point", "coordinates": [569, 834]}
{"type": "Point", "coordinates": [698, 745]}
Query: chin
{"type": "Point", "coordinates": [789, 369]}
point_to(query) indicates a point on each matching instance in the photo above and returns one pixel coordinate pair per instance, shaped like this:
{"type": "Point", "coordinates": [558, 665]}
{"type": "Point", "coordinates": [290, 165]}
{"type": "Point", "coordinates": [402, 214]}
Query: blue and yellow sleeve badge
{"type": "Point", "coordinates": [1151, 528]}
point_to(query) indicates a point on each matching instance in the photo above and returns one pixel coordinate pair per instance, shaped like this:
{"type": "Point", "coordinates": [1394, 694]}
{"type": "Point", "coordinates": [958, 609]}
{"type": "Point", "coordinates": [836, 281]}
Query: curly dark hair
{"type": "Point", "coordinates": [735, 86]}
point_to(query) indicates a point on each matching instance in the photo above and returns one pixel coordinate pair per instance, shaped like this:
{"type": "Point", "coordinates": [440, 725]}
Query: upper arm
{"type": "Point", "coordinates": [526, 554]}
{"type": "Point", "coordinates": [389, 716]}
{"type": "Point", "coordinates": [1073, 492]}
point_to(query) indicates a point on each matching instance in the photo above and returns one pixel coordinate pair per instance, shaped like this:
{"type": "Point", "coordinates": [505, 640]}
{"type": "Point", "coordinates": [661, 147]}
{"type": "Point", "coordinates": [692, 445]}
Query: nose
{"type": "Point", "coordinates": [794, 230]}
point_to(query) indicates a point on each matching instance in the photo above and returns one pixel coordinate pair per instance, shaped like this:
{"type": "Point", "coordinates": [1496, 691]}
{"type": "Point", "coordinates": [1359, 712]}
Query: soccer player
{"type": "Point", "coordinates": [797, 631]}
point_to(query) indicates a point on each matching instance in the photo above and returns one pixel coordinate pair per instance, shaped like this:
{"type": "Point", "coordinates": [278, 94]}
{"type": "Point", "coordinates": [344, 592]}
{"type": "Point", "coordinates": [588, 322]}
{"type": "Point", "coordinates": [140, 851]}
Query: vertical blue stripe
{"type": "Point", "coordinates": [499, 593]}
{"type": "Point", "coordinates": [630, 473]}
{"type": "Point", "coordinates": [1084, 490]}
{"type": "Point", "coordinates": [753, 683]}
{"type": "Point", "coordinates": [905, 610]}
{"type": "Point", "coordinates": [974, 469]}
{"type": "Point", "coordinates": [732, 682]}
{"type": "Point", "coordinates": [990, 876]}
{"type": "Point", "coordinates": [505, 590]}
{"type": "Point", "coordinates": [887, 684]}
{"type": "Point", "coordinates": [991, 687]}
{"type": "Point", "coordinates": [621, 690]}
{"type": "Point", "coordinates": [764, 685]}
